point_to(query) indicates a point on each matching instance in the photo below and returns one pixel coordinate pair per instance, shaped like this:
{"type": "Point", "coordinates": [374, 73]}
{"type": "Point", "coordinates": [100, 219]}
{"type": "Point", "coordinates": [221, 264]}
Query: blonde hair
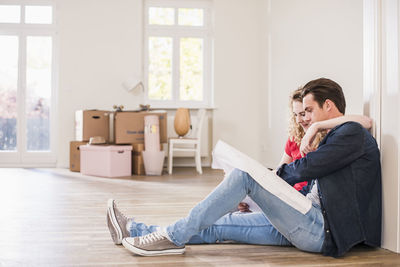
{"type": "Point", "coordinates": [296, 131]}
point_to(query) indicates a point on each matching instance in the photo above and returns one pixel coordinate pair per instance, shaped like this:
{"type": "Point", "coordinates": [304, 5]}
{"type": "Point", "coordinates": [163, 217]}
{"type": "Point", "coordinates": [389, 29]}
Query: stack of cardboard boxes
{"type": "Point", "coordinates": [88, 123]}
{"type": "Point", "coordinates": [128, 129]}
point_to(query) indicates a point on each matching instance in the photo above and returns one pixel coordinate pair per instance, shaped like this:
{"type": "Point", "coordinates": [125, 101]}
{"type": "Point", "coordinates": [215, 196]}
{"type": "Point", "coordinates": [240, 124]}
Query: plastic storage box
{"type": "Point", "coordinates": [106, 161]}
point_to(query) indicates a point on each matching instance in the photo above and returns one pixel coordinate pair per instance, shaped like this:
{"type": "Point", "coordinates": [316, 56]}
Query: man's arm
{"type": "Point", "coordinates": [342, 146]}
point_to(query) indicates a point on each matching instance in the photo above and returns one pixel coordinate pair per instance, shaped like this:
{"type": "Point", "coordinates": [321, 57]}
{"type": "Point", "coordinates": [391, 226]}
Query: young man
{"type": "Point", "coordinates": [345, 189]}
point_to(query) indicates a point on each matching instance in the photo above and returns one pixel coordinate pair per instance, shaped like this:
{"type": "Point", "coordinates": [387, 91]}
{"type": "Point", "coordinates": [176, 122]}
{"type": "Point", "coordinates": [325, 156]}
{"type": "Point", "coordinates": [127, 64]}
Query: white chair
{"type": "Point", "coordinates": [189, 144]}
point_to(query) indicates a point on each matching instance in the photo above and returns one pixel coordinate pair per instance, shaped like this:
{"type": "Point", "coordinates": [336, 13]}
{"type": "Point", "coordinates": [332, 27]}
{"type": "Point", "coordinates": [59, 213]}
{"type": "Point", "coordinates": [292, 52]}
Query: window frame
{"type": "Point", "coordinates": [23, 157]}
{"type": "Point", "coordinates": [176, 32]}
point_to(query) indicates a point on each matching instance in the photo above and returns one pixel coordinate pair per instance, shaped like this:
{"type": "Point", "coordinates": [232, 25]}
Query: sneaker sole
{"type": "Point", "coordinates": [113, 225]}
{"type": "Point", "coordinates": [142, 252]}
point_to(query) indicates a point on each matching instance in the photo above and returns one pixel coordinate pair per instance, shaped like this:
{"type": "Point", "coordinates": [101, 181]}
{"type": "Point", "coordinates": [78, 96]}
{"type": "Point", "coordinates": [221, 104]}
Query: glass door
{"type": "Point", "coordinates": [9, 46]}
{"type": "Point", "coordinates": [27, 86]}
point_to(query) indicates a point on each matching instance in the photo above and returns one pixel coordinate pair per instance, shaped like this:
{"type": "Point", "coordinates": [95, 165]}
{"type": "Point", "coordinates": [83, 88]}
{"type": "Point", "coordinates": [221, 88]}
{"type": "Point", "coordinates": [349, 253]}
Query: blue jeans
{"type": "Point", "coordinates": [279, 224]}
{"type": "Point", "coordinates": [249, 228]}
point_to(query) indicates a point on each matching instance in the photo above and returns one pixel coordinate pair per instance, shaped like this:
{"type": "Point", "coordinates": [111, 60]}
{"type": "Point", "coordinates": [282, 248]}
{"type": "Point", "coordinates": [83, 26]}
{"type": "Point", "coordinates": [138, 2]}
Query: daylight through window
{"type": "Point", "coordinates": [178, 53]}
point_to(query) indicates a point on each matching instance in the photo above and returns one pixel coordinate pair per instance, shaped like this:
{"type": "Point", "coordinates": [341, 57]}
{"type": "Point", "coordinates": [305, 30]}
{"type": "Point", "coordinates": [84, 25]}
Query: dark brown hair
{"type": "Point", "coordinates": [323, 89]}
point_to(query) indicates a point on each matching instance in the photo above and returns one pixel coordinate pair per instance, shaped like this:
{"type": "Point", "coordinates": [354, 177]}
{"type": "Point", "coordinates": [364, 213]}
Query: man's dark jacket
{"type": "Point", "coordinates": [347, 167]}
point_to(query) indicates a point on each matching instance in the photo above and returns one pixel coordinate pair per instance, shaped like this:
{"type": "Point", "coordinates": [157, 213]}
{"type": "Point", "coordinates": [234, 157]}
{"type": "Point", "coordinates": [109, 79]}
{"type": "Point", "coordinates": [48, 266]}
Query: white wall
{"type": "Point", "coordinates": [382, 95]}
{"type": "Point", "coordinates": [237, 75]}
{"type": "Point", "coordinates": [310, 39]}
{"type": "Point", "coordinates": [99, 47]}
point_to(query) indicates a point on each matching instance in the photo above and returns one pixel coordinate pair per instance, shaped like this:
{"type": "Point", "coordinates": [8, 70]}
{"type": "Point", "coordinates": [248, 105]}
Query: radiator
{"type": "Point", "coordinates": [205, 142]}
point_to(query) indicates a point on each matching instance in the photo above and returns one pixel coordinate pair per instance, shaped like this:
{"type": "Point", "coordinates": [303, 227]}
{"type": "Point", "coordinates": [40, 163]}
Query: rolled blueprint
{"type": "Point", "coordinates": [228, 158]}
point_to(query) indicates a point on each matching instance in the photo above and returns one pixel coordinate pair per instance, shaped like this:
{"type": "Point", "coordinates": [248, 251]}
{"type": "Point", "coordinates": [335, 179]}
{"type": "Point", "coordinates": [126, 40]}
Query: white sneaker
{"type": "Point", "coordinates": [154, 244]}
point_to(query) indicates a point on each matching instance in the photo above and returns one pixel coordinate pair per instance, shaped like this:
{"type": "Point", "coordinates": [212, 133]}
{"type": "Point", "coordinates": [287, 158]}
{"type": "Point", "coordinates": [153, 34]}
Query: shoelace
{"type": "Point", "coordinates": [120, 214]}
{"type": "Point", "coordinates": [143, 240]}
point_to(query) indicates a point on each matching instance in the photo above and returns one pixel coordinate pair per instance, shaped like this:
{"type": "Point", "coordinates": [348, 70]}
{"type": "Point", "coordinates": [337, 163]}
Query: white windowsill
{"type": "Point", "coordinates": [170, 107]}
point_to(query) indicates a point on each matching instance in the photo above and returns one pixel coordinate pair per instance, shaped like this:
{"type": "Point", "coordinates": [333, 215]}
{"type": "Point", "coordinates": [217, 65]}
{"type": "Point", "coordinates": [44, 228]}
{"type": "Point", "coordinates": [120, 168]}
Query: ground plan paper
{"type": "Point", "coordinates": [228, 158]}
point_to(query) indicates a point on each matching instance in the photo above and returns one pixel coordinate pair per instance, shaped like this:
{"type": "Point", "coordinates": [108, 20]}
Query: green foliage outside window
{"type": "Point", "coordinates": [160, 68]}
{"type": "Point", "coordinates": [191, 69]}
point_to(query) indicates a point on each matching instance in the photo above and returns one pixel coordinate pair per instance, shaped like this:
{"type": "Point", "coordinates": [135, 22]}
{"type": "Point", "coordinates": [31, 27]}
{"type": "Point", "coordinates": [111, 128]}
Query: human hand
{"type": "Point", "coordinates": [308, 138]}
{"type": "Point", "coordinates": [244, 207]}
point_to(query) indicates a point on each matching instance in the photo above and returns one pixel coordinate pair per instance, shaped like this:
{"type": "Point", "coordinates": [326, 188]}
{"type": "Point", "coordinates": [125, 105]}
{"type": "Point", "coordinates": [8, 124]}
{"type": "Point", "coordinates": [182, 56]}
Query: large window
{"type": "Point", "coordinates": [178, 56]}
{"type": "Point", "coordinates": [27, 33]}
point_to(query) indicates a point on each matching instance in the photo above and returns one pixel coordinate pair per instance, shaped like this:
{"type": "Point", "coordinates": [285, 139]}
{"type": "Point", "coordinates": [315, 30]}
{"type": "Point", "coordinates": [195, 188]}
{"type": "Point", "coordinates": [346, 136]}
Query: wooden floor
{"type": "Point", "coordinates": [53, 217]}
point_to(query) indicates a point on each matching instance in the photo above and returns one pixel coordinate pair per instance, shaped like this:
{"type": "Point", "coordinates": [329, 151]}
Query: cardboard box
{"type": "Point", "coordinates": [106, 161]}
{"type": "Point", "coordinates": [138, 164]}
{"type": "Point", "coordinates": [129, 126]}
{"type": "Point", "coordinates": [74, 155]}
{"type": "Point", "coordinates": [90, 123]}
{"type": "Point", "coordinates": [137, 159]}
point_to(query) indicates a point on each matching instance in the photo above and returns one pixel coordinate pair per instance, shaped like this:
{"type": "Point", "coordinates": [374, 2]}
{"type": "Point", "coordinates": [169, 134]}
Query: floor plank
{"type": "Point", "coordinates": [53, 217]}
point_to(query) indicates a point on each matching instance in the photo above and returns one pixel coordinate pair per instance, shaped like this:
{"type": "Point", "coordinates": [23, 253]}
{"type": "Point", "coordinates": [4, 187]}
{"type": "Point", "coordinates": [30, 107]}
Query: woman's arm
{"type": "Point", "coordinates": [365, 121]}
{"type": "Point", "coordinates": [308, 138]}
